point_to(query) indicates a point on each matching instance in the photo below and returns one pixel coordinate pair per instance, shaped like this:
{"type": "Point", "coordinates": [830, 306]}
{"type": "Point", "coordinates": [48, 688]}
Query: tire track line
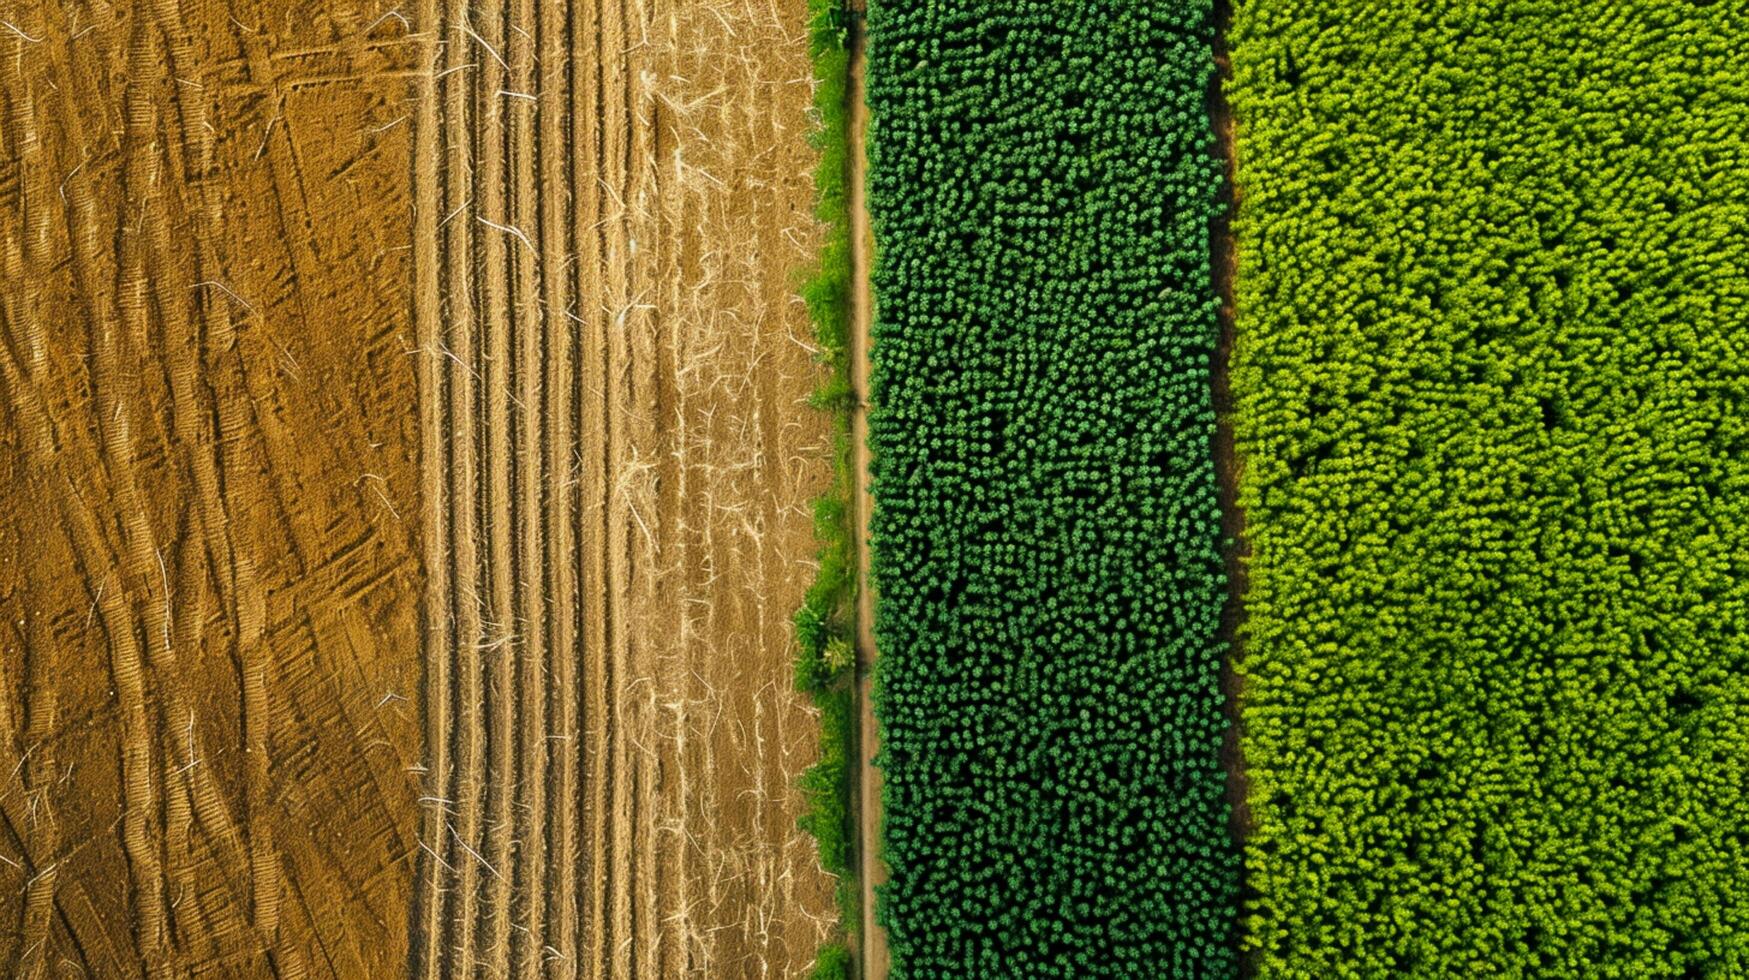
{"type": "Point", "coordinates": [40, 664]}
{"type": "Point", "coordinates": [127, 662]}
{"type": "Point", "coordinates": [153, 252]}
{"type": "Point", "coordinates": [248, 491]}
{"type": "Point", "coordinates": [190, 419]}
{"type": "Point", "coordinates": [438, 637]}
{"type": "Point", "coordinates": [33, 218]}
{"type": "Point", "coordinates": [31, 960]}
{"type": "Point", "coordinates": [210, 807]}
{"type": "Point", "coordinates": [145, 246]}
{"type": "Point", "coordinates": [179, 801]}
{"type": "Point", "coordinates": [250, 611]}
{"type": "Point", "coordinates": [41, 668]}
{"type": "Point", "coordinates": [196, 786]}
{"type": "Point", "coordinates": [241, 480]}
{"type": "Point", "coordinates": [191, 112]}
{"type": "Point", "coordinates": [191, 416]}
{"type": "Point", "coordinates": [141, 178]}
{"type": "Point", "coordinates": [215, 510]}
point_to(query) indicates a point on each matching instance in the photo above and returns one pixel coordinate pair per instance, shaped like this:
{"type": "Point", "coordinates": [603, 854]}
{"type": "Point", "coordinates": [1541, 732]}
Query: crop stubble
{"type": "Point", "coordinates": [273, 478]}
{"type": "Point", "coordinates": [616, 455]}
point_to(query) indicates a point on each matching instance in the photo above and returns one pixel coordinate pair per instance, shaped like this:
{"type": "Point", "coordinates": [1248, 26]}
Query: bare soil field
{"type": "Point", "coordinates": [404, 469]}
{"type": "Point", "coordinates": [208, 573]}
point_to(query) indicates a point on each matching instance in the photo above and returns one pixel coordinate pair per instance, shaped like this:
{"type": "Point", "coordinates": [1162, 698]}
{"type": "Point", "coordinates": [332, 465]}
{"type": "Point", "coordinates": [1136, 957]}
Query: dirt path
{"type": "Point", "coordinates": [1229, 466]}
{"type": "Point", "coordinates": [875, 959]}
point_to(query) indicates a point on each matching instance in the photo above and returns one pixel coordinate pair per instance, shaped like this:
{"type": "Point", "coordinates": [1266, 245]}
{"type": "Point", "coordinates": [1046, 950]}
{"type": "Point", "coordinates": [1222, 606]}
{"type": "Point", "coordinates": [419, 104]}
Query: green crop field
{"type": "Point", "coordinates": [1046, 531]}
{"type": "Point", "coordinates": [1490, 381]}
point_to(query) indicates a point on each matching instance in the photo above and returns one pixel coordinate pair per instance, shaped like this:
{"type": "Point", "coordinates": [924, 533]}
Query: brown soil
{"type": "Point", "coordinates": [407, 453]}
{"type": "Point", "coordinates": [1229, 465]}
{"type": "Point", "coordinates": [209, 575]}
{"type": "Point", "coordinates": [617, 453]}
{"type": "Point", "coordinates": [875, 960]}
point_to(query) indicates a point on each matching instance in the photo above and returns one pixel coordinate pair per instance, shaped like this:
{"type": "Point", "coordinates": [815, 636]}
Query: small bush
{"type": "Point", "coordinates": [824, 621]}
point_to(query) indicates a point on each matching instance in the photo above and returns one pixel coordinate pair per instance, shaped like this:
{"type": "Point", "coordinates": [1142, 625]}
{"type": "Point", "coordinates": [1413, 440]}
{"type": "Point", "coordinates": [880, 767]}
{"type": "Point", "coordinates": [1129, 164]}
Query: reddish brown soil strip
{"type": "Point", "coordinates": [876, 962]}
{"type": "Point", "coordinates": [1229, 467]}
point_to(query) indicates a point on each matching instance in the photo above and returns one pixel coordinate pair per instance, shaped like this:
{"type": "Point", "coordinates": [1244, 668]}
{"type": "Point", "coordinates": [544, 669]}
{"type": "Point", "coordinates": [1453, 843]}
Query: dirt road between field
{"type": "Point", "coordinates": [875, 960]}
{"type": "Point", "coordinates": [1229, 466]}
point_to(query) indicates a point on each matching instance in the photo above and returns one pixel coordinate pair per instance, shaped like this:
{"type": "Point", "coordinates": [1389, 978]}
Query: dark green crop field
{"type": "Point", "coordinates": [1490, 378]}
{"type": "Point", "coordinates": [1046, 531]}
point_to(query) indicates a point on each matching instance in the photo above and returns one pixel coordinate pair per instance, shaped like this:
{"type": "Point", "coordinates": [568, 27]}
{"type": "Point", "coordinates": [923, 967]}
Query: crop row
{"type": "Point", "coordinates": [1046, 533]}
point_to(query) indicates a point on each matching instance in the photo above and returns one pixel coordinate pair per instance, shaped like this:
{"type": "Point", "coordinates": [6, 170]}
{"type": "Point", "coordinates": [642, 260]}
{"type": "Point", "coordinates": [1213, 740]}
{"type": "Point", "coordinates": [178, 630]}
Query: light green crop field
{"type": "Point", "coordinates": [1490, 380]}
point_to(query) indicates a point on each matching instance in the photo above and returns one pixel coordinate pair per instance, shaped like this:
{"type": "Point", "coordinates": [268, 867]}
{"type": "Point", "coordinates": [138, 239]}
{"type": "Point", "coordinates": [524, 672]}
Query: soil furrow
{"type": "Point", "coordinates": [497, 307]}
{"type": "Point", "coordinates": [622, 814]}
{"type": "Point", "coordinates": [628, 436]}
{"type": "Point", "coordinates": [523, 105]}
{"type": "Point", "coordinates": [642, 459]}
{"type": "Point", "coordinates": [592, 509]}
{"type": "Point", "coordinates": [468, 784]}
{"type": "Point", "coordinates": [557, 170]}
{"type": "Point", "coordinates": [437, 638]}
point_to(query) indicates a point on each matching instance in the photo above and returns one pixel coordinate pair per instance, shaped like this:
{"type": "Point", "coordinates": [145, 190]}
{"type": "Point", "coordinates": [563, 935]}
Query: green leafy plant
{"type": "Point", "coordinates": [1489, 395]}
{"type": "Point", "coordinates": [1046, 530]}
{"type": "Point", "coordinates": [824, 622]}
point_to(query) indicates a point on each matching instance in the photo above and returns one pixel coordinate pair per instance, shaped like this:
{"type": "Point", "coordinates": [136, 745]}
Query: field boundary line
{"type": "Point", "coordinates": [876, 960]}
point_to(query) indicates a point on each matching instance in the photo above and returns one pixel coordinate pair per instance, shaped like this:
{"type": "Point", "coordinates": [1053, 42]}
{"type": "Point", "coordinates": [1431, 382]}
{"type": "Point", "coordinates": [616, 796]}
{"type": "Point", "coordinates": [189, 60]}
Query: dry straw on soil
{"type": "Point", "coordinates": [406, 459]}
